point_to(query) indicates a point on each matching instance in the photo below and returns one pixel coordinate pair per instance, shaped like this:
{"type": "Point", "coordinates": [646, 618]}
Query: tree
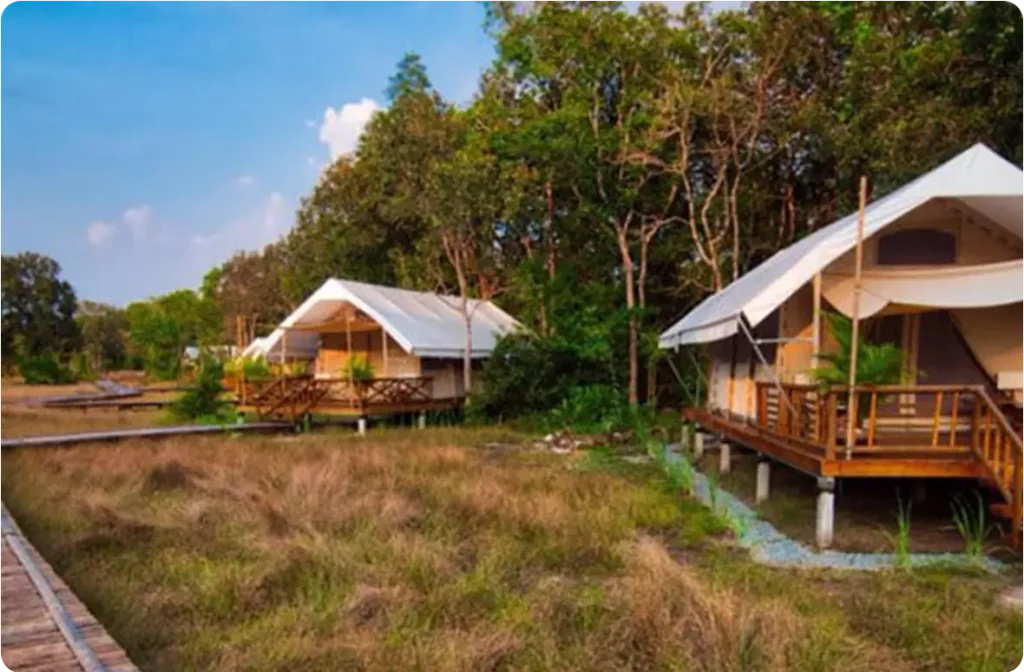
{"type": "Point", "coordinates": [248, 292]}
{"type": "Point", "coordinates": [38, 308]}
{"type": "Point", "coordinates": [104, 331]}
{"type": "Point", "coordinates": [161, 328]}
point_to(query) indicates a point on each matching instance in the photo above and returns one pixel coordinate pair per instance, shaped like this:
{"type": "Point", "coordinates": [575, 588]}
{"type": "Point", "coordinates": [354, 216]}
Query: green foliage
{"type": "Point", "coordinates": [877, 363]}
{"type": "Point", "coordinates": [358, 368]}
{"type": "Point", "coordinates": [970, 522]}
{"type": "Point", "coordinates": [38, 309]}
{"type": "Point", "coordinates": [901, 540]}
{"type": "Point", "coordinates": [253, 368]}
{"type": "Point", "coordinates": [202, 400]}
{"type": "Point", "coordinates": [44, 369]}
{"type": "Point", "coordinates": [104, 335]}
{"type": "Point", "coordinates": [161, 328]}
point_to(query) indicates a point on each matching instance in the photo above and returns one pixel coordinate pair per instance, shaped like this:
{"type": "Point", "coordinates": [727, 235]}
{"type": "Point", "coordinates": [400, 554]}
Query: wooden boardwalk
{"type": "Point", "coordinates": [43, 625]}
{"type": "Point", "coordinates": [143, 433]}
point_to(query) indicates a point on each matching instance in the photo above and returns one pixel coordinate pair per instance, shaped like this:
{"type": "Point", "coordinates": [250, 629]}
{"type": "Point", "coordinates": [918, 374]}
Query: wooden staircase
{"type": "Point", "coordinates": [996, 443]}
{"type": "Point", "coordinates": [290, 398]}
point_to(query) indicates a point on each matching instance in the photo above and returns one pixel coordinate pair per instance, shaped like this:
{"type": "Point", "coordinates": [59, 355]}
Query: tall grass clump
{"type": "Point", "coordinates": [970, 522]}
{"type": "Point", "coordinates": [901, 540]}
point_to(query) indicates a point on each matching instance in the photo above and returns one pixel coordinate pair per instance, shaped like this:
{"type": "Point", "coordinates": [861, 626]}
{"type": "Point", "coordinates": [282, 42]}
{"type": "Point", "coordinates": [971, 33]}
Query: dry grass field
{"type": "Point", "coordinates": [18, 421]}
{"type": "Point", "coordinates": [456, 550]}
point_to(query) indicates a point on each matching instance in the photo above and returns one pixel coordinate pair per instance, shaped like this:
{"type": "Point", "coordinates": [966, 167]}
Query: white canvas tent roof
{"type": "Point", "coordinates": [424, 324]}
{"type": "Point", "coordinates": [979, 178]}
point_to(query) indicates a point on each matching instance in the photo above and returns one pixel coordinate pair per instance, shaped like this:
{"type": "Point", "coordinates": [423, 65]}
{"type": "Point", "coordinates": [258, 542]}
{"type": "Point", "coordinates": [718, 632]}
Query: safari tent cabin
{"type": "Point", "coordinates": [942, 279]}
{"type": "Point", "coordinates": [367, 348]}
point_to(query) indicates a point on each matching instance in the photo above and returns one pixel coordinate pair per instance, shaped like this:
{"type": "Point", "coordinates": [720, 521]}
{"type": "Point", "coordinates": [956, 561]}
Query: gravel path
{"type": "Point", "coordinates": [769, 546]}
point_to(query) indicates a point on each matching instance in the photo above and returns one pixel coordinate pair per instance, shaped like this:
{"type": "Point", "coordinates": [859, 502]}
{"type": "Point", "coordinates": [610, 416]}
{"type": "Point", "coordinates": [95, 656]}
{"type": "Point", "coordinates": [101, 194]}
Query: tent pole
{"type": "Point", "coordinates": [816, 323]}
{"type": "Point", "coordinates": [771, 372]}
{"type": "Point", "coordinates": [700, 376]}
{"type": "Point", "coordinates": [851, 399]}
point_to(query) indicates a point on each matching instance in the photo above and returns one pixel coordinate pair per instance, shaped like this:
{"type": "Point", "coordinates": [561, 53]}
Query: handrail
{"type": "Point", "coordinates": [1010, 485]}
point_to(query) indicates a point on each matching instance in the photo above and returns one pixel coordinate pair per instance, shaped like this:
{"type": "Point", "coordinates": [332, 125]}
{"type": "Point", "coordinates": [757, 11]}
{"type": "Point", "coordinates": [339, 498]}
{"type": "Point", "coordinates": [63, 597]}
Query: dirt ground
{"type": "Point", "coordinates": [866, 508]}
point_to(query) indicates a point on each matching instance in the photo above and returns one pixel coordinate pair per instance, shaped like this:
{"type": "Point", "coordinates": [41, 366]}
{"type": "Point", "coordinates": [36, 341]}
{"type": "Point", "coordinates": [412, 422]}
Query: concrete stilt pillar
{"type": "Point", "coordinates": [361, 426]}
{"type": "Point", "coordinates": [764, 471]}
{"type": "Point", "coordinates": [824, 523]}
{"type": "Point", "coordinates": [724, 457]}
{"type": "Point", "coordinates": [698, 445]}
{"type": "Point", "coordinates": [421, 421]}
{"type": "Point", "coordinates": [686, 437]}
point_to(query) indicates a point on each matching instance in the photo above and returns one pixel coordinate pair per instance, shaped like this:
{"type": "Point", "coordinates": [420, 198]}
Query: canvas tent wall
{"type": "Point", "coordinates": [400, 333]}
{"type": "Point", "coordinates": [977, 188]}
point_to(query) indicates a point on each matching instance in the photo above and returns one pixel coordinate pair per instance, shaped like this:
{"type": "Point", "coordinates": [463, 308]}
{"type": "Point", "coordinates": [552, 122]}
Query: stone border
{"type": "Point", "coordinates": [770, 547]}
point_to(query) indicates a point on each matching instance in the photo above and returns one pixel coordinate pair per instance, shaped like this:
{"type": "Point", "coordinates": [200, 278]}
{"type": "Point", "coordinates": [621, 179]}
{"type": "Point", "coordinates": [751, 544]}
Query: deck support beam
{"type": "Point", "coordinates": [421, 421]}
{"type": "Point", "coordinates": [764, 471]}
{"type": "Point", "coordinates": [724, 457]}
{"type": "Point", "coordinates": [698, 445]}
{"type": "Point", "coordinates": [361, 425]}
{"type": "Point", "coordinates": [824, 521]}
{"type": "Point", "coordinates": [686, 437]}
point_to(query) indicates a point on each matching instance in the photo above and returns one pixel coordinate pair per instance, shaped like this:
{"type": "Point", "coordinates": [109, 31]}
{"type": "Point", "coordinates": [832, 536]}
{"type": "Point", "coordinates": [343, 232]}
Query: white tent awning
{"type": "Point", "coordinates": [978, 286]}
{"type": "Point", "coordinates": [422, 323]}
{"type": "Point", "coordinates": [978, 177]}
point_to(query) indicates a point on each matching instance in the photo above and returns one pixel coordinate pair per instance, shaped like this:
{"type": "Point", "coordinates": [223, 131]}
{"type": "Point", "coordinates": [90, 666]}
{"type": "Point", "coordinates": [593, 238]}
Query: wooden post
{"type": "Point", "coordinates": [348, 345]}
{"type": "Point", "coordinates": [731, 383]}
{"type": "Point", "coordinates": [816, 320]}
{"type": "Point", "coordinates": [1018, 496]}
{"type": "Point", "coordinates": [830, 425]}
{"type": "Point", "coordinates": [284, 351]}
{"type": "Point", "coordinates": [851, 401]}
{"type": "Point", "coordinates": [384, 335]}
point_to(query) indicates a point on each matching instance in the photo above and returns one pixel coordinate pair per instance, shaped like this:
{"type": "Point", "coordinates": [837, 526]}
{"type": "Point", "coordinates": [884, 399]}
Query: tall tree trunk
{"type": "Point", "coordinates": [629, 281]}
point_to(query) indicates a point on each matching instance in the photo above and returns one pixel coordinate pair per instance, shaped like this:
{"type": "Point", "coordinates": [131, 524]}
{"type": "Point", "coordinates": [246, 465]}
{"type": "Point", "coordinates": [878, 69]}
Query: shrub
{"type": "Point", "coordinates": [203, 399]}
{"type": "Point", "coordinates": [357, 368]}
{"type": "Point", "coordinates": [44, 370]}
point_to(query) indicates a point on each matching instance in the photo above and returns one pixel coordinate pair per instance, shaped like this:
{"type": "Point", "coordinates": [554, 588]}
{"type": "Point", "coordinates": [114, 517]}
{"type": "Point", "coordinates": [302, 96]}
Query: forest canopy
{"type": "Point", "coordinates": [618, 164]}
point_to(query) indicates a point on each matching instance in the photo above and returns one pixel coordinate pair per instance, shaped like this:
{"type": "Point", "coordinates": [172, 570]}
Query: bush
{"type": "Point", "coordinates": [253, 368]}
{"type": "Point", "coordinates": [529, 375]}
{"type": "Point", "coordinates": [44, 370]}
{"type": "Point", "coordinates": [357, 368]}
{"type": "Point", "coordinates": [203, 399]}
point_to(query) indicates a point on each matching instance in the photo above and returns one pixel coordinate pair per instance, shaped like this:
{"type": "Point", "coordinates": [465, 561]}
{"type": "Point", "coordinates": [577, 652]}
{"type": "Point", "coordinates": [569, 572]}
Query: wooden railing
{"type": "Point", "coordinates": [297, 395]}
{"type": "Point", "coordinates": [899, 421]}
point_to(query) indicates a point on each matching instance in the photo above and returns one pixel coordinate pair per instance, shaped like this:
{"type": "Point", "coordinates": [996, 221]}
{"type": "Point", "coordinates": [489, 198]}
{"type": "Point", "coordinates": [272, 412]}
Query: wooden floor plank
{"type": "Point", "coordinates": [30, 640]}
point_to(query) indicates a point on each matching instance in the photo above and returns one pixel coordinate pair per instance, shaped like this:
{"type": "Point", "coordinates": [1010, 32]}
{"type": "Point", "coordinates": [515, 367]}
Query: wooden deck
{"type": "Point", "coordinates": [883, 431]}
{"type": "Point", "coordinates": [292, 397]}
{"type": "Point", "coordinates": [43, 625]}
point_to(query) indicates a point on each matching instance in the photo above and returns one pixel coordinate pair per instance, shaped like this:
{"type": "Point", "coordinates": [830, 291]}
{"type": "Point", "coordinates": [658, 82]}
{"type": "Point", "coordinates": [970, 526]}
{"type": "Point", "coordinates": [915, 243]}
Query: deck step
{"type": "Point", "coordinates": [1001, 510]}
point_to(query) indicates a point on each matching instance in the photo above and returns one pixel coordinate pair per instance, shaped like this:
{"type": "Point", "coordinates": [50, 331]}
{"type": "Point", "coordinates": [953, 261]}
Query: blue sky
{"type": "Point", "coordinates": [144, 143]}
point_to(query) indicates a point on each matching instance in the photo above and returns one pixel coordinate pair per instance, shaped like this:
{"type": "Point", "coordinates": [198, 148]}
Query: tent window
{"type": "Point", "coordinates": [917, 247]}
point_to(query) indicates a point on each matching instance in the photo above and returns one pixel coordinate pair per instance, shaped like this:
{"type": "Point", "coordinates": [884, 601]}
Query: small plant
{"type": "Point", "coordinates": [738, 524]}
{"type": "Point", "coordinates": [680, 474]}
{"type": "Point", "coordinates": [877, 363]}
{"type": "Point", "coordinates": [202, 401]}
{"type": "Point", "coordinates": [970, 523]}
{"type": "Point", "coordinates": [901, 540]}
{"type": "Point", "coordinates": [713, 489]}
{"type": "Point", "coordinates": [357, 368]}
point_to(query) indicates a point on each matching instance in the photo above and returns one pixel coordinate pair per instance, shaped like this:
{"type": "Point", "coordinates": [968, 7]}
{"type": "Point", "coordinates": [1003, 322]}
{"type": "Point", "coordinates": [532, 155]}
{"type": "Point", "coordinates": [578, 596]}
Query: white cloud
{"type": "Point", "coordinates": [273, 212]}
{"type": "Point", "coordinates": [311, 123]}
{"type": "Point", "coordinates": [263, 225]}
{"type": "Point", "coordinates": [99, 233]}
{"type": "Point", "coordinates": [341, 128]}
{"type": "Point", "coordinates": [138, 218]}
{"type": "Point", "coordinates": [245, 180]}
